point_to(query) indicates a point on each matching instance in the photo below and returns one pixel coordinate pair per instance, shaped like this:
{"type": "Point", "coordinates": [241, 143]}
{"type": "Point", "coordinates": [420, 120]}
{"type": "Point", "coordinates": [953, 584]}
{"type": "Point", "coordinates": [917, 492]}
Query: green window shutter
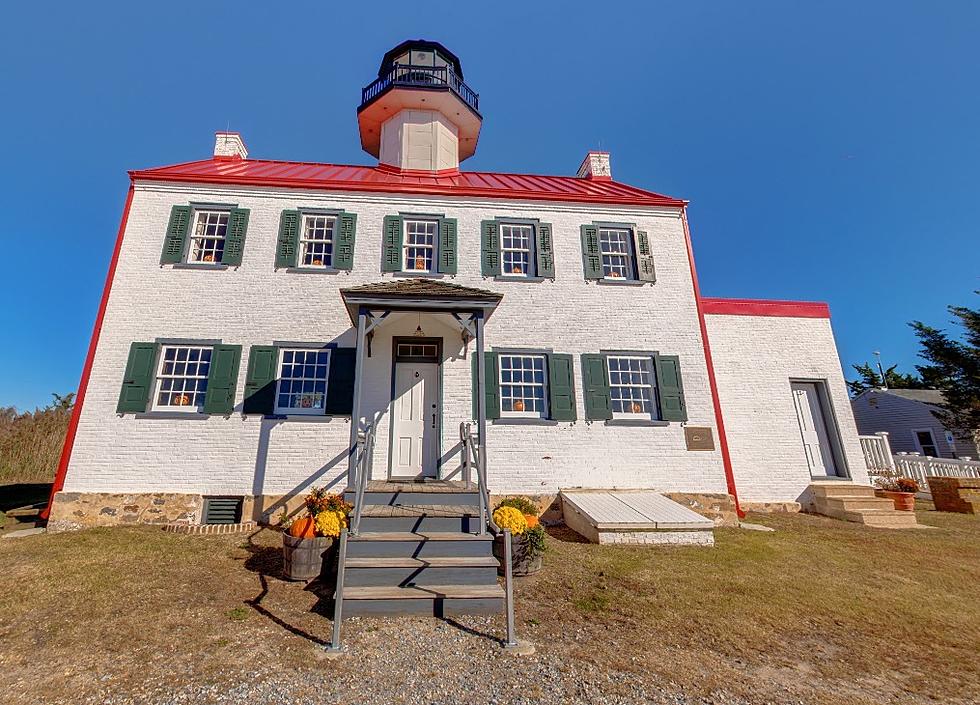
{"type": "Point", "coordinates": [138, 378]}
{"type": "Point", "coordinates": [490, 248]}
{"type": "Point", "coordinates": [173, 244]}
{"type": "Point", "coordinates": [561, 387]}
{"type": "Point", "coordinates": [645, 271]}
{"type": "Point", "coordinates": [391, 255]}
{"type": "Point", "coordinates": [260, 380]}
{"type": "Point", "coordinates": [545, 252]}
{"type": "Point", "coordinates": [670, 388]}
{"type": "Point", "coordinates": [222, 379]}
{"type": "Point", "coordinates": [492, 393]}
{"type": "Point", "coordinates": [235, 237]}
{"type": "Point", "coordinates": [343, 247]}
{"type": "Point", "coordinates": [595, 379]}
{"type": "Point", "coordinates": [447, 246]}
{"type": "Point", "coordinates": [591, 256]}
{"type": "Point", "coordinates": [340, 382]}
{"type": "Point", "coordinates": [288, 242]}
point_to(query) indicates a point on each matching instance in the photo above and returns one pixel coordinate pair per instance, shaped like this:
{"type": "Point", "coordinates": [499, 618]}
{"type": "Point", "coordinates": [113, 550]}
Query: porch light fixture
{"type": "Point", "coordinates": [419, 333]}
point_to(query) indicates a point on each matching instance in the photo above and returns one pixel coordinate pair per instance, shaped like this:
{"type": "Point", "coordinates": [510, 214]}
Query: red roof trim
{"type": "Point", "coordinates": [766, 307]}
{"type": "Point", "coordinates": [334, 177]}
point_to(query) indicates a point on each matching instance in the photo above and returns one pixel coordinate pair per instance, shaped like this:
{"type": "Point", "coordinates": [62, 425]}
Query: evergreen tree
{"type": "Point", "coordinates": [871, 379]}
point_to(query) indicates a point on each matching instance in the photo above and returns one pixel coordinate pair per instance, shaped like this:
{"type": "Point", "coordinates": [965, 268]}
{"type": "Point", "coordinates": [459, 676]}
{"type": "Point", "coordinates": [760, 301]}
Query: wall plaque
{"type": "Point", "coordinates": [699, 438]}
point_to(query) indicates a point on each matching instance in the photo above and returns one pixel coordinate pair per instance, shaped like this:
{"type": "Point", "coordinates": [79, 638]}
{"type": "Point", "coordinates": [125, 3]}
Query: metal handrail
{"type": "Point", "coordinates": [364, 450]}
{"type": "Point", "coordinates": [428, 76]}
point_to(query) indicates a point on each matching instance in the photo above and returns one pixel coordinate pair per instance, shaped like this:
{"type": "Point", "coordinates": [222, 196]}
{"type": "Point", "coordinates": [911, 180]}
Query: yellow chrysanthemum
{"type": "Point", "coordinates": [510, 518]}
{"type": "Point", "coordinates": [329, 523]}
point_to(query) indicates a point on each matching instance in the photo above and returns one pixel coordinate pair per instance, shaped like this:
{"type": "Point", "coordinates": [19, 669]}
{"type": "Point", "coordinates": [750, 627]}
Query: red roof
{"type": "Point", "coordinates": [333, 177]}
{"type": "Point", "coordinates": [765, 307]}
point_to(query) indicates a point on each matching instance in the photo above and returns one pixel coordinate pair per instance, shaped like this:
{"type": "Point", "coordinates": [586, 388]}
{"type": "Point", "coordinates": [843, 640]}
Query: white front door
{"type": "Point", "coordinates": [415, 420]}
{"type": "Point", "coordinates": [813, 429]}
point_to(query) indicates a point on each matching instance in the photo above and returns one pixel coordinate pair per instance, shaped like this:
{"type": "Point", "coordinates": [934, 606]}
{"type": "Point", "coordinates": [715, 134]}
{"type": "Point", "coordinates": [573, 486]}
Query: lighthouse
{"type": "Point", "coordinates": [419, 115]}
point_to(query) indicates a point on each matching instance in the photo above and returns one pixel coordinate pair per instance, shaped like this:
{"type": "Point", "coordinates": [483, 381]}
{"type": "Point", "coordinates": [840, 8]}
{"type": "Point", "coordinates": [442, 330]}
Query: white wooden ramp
{"type": "Point", "coordinates": [634, 516]}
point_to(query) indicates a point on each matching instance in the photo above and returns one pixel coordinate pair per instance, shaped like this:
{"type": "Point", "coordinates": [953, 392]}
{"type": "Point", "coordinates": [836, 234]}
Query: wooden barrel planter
{"type": "Point", "coordinates": [306, 559]}
{"type": "Point", "coordinates": [521, 561]}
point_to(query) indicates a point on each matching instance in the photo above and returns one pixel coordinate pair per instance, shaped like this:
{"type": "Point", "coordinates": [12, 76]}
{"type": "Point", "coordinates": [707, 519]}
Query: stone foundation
{"type": "Point", "coordinates": [772, 507]}
{"type": "Point", "coordinates": [718, 507]}
{"type": "Point", "coordinates": [955, 494]}
{"type": "Point", "coordinates": [82, 510]}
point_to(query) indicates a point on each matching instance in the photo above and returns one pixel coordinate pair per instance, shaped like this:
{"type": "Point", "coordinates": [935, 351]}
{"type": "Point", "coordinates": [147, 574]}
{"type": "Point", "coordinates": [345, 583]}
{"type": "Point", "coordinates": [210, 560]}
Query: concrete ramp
{"type": "Point", "coordinates": [634, 516]}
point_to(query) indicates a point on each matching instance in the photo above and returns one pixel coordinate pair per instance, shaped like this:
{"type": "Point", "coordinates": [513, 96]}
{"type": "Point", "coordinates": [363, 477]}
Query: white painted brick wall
{"type": "Point", "coordinates": [255, 304]}
{"type": "Point", "coordinates": [755, 357]}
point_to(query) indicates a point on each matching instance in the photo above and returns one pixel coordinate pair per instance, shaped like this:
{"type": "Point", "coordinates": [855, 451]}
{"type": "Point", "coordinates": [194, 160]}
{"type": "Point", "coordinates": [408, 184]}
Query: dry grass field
{"type": "Point", "coordinates": [818, 612]}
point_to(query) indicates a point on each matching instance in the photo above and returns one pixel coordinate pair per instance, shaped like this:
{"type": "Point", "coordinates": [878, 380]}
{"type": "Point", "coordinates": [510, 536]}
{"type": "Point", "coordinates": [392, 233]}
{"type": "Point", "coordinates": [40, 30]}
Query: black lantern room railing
{"type": "Point", "coordinates": [422, 77]}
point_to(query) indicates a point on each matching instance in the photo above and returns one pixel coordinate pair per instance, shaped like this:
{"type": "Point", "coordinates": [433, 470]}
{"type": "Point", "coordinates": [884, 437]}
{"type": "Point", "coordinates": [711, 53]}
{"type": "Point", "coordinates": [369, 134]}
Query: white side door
{"type": "Point", "coordinates": [415, 420]}
{"type": "Point", "coordinates": [810, 417]}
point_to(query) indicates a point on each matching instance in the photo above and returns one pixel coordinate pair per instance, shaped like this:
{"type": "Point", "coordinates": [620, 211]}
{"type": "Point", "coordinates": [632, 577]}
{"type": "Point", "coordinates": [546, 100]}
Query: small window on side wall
{"type": "Point", "coordinates": [205, 235]}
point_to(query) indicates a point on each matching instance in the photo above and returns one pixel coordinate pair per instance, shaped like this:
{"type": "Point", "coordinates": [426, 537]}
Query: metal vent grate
{"type": "Point", "coordinates": [222, 510]}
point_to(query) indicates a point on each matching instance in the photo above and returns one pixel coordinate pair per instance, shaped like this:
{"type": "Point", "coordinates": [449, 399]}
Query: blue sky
{"type": "Point", "coordinates": [830, 150]}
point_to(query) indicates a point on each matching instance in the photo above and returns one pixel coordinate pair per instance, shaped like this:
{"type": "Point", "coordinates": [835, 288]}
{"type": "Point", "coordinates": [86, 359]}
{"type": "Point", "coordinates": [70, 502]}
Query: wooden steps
{"type": "Point", "coordinates": [403, 562]}
{"type": "Point", "coordinates": [858, 504]}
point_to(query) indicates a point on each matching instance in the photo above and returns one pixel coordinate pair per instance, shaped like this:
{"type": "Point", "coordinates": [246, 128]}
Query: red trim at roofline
{"type": "Point", "coordinates": [59, 478]}
{"type": "Point", "coordinates": [766, 307]}
{"type": "Point", "coordinates": [352, 178]}
{"type": "Point", "coordinates": [726, 457]}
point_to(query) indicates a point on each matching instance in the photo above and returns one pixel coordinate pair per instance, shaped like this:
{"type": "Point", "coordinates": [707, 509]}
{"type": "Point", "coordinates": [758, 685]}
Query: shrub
{"type": "Point", "coordinates": [510, 518]}
{"type": "Point", "coordinates": [521, 504]}
{"type": "Point", "coordinates": [907, 484]}
{"type": "Point", "coordinates": [31, 443]}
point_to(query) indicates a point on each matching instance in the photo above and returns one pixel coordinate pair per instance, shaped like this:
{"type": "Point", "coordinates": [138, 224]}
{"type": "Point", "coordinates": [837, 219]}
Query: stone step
{"type": "Point", "coordinates": [879, 518]}
{"type": "Point", "coordinates": [404, 571]}
{"type": "Point", "coordinates": [436, 600]}
{"type": "Point", "coordinates": [424, 545]}
{"type": "Point", "coordinates": [840, 489]}
{"type": "Point", "coordinates": [853, 503]}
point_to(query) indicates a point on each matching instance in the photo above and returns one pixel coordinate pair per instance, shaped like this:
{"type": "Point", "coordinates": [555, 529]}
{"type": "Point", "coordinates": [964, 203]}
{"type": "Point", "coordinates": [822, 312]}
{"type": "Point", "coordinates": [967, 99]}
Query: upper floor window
{"type": "Point", "coordinates": [632, 387]}
{"type": "Point", "coordinates": [302, 387]}
{"type": "Point", "coordinates": [616, 247]}
{"type": "Point", "coordinates": [316, 240]}
{"type": "Point", "coordinates": [208, 240]}
{"type": "Point", "coordinates": [419, 246]}
{"type": "Point", "coordinates": [182, 378]}
{"type": "Point", "coordinates": [516, 248]}
{"type": "Point", "coordinates": [523, 386]}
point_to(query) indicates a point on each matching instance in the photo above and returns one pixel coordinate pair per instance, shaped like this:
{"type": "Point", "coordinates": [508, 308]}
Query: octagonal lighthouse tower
{"type": "Point", "coordinates": [419, 116]}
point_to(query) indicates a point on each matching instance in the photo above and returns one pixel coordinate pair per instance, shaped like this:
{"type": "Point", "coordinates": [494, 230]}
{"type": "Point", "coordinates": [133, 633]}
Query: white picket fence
{"type": "Point", "coordinates": [878, 458]}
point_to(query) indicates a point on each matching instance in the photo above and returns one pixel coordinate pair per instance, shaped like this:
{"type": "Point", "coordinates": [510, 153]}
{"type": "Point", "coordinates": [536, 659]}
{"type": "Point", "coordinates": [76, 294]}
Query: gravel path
{"type": "Point", "coordinates": [414, 661]}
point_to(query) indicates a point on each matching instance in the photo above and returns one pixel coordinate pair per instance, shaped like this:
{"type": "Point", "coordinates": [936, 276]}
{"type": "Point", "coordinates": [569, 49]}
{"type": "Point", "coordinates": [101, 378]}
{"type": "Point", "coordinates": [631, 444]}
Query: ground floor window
{"type": "Point", "coordinates": [523, 386]}
{"type": "Point", "coordinates": [182, 378]}
{"type": "Point", "coordinates": [302, 387]}
{"type": "Point", "coordinates": [927, 442]}
{"type": "Point", "coordinates": [632, 387]}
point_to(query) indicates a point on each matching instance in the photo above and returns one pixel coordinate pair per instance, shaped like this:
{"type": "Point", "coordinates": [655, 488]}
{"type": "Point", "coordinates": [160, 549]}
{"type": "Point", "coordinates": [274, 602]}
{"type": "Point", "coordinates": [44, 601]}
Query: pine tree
{"type": "Point", "coordinates": [871, 379]}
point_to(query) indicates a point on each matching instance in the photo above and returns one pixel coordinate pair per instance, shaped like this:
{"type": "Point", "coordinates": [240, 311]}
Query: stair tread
{"type": "Point", "coordinates": [418, 536]}
{"type": "Point", "coordinates": [417, 510]}
{"type": "Point", "coordinates": [423, 592]}
{"type": "Point", "coordinates": [429, 487]}
{"type": "Point", "coordinates": [460, 562]}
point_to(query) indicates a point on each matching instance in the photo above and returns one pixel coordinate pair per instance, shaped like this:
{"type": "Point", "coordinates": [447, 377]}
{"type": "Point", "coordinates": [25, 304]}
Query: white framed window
{"type": "Point", "coordinates": [632, 387]}
{"type": "Point", "coordinates": [419, 249]}
{"type": "Point", "coordinates": [515, 250]}
{"type": "Point", "coordinates": [616, 248]}
{"type": "Point", "coordinates": [182, 378]}
{"type": "Point", "coordinates": [925, 441]}
{"type": "Point", "coordinates": [523, 385]}
{"type": "Point", "coordinates": [316, 240]}
{"type": "Point", "coordinates": [302, 386]}
{"type": "Point", "coordinates": [208, 238]}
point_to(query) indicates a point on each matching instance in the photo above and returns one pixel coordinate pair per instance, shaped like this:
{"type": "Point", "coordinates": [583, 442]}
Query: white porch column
{"type": "Point", "coordinates": [355, 415]}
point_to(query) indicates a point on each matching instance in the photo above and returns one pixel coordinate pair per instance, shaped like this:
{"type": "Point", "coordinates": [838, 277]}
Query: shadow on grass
{"type": "Point", "coordinates": [23, 494]}
{"type": "Point", "coordinates": [564, 534]}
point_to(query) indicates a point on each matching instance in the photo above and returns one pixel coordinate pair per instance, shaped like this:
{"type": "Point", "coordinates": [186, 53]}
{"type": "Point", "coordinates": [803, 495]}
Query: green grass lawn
{"type": "Point", "coordinates": [819, 611]}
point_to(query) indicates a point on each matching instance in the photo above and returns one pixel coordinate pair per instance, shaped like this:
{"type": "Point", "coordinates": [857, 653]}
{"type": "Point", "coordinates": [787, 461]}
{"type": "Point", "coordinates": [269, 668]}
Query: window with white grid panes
{"type": "Point", "coordinates": [208, 239]}
{"type": "Point", "coordinates": [515, 250]}
{"type": "Point", "coordinates": [632, 387]}
{"type": "Point", "coordinates": [523, 385]}
{"type": "Point", "coordinates": [316, 241]}
{"type": "Point", "coordinates": [616, 247]}
{"type": "Point", "coordinates": [182, 378]}
{"type": "Point", "coordinates": [420, 245]}
{"type": "Point", "coordinates": [302, 387]}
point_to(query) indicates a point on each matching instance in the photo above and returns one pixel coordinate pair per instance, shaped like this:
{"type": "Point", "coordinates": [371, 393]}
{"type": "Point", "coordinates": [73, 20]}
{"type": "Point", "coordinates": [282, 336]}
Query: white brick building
{"type": "Point", "coordinates": [224, 354]}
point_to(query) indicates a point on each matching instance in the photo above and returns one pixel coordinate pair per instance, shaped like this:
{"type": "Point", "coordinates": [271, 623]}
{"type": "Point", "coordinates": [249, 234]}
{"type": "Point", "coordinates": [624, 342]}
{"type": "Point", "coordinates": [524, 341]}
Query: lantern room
{"type": "Point", "coordinates": [419, 114]}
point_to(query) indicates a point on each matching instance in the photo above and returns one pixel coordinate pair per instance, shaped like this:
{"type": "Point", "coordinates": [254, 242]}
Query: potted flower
{"type": "Point", "coordinates": [308, 541]}
{"type": "Point", "coordinates": [520, 515]}
{"type": "Point", "coordinates": [900, 490]}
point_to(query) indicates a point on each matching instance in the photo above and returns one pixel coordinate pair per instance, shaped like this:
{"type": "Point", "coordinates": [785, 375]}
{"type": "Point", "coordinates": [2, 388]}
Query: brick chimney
{"type": "Point", "coordinates": [595, 166]}
{"type": "Point", "coordinates": [229, 145]}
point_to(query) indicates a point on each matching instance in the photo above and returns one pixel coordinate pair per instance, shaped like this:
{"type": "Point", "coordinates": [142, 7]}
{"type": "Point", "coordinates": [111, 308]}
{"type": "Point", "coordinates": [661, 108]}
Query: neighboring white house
{"type": "Point", "coordinates": [253, 307]}
{"type": "Point", "coordinates": [906, 414]}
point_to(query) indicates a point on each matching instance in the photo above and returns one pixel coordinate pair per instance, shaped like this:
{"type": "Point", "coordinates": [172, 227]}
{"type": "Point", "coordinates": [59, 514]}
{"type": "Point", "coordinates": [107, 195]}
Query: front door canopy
{"type": "Point", "coordinates": [419, 295]}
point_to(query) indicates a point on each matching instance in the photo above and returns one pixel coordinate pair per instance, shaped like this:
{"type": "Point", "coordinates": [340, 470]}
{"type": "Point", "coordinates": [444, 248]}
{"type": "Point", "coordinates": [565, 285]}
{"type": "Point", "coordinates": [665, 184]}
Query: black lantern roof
{"type": "Point", "coordinates": [420, 52]}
